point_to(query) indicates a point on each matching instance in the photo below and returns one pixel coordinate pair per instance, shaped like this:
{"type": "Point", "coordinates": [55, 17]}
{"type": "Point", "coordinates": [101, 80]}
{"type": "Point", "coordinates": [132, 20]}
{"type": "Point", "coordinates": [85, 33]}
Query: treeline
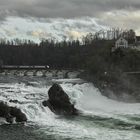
{"type": "Point", "coordinates": [63, 54]}
{"type": "Point", "coordinates": [93, 53]}
{"type": "Point", "coordinates": [111, 34]}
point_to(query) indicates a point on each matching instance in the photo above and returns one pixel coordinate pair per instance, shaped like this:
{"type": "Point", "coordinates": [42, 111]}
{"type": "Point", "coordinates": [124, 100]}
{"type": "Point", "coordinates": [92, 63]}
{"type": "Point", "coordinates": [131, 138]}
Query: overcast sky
{"type": "Point", "coordinates": [43, 18]}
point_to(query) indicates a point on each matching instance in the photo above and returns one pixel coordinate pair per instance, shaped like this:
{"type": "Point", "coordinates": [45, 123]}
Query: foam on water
{"type": "Point", "coordinates": [100, 115]}
{"type": "Point", "coordinates": [93, 101]}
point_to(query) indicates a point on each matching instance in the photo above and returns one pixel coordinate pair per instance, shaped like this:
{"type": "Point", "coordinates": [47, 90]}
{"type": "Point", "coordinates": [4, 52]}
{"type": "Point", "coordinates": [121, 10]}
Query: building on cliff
{"type": "Point", "coordinates": [127, 43]}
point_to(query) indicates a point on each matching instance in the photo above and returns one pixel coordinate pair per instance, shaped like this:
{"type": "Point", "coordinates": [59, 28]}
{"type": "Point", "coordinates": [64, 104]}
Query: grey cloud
{"type": "Point", "coordinates": [63, 8]}
{"type": "Point", "coordinates": [57, 28]}
{"type": "Point", "coordinates": [64, 15]}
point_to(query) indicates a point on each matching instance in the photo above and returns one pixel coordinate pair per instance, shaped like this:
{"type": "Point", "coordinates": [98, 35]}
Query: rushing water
{"type": "Point", "coordinates": [101, 118]}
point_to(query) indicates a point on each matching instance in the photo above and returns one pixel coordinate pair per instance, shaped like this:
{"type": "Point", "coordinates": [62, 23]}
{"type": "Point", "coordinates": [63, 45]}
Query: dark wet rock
{"type": "Point", "coordinates": [9, 118]}
{"type": "Point", "coordinates": [13, 101]}
{"type": "Point", "coordinates": [59, 101]}
{"type": "Point", "coordinates": [20, 116]}
{"type": "Point", "coordinates": [4, 110]}
{"type": "Point", "coordinates": [9, 113]}
{"type": "Point", "coordinates": [45, 103]}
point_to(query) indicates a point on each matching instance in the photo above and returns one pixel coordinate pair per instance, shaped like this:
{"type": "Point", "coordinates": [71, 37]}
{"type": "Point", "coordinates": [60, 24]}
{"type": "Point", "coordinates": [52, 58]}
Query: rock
{"type": "Point", "coordinates": [4, 110]}
{"type": "Point", "coordinates": [20, 117]}
{"type": "Point", "coordinates": [10, 119]}
{"type": "Point", "coordinates": [9, 113]}
{"type": "Point", "coordinates": [59, 101]}
{"type": "Point", "coordinates": [14, 101]}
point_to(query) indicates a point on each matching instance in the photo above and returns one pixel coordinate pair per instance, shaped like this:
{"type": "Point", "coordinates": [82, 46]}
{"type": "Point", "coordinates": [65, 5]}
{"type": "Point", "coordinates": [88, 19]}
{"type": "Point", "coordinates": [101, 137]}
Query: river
{"type": "Point", "coordinates": [101, 118]}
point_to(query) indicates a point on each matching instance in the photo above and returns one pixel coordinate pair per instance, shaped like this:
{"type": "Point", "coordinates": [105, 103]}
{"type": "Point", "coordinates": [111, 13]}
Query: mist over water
{"type": "Point", "coordinates": [100, 119]}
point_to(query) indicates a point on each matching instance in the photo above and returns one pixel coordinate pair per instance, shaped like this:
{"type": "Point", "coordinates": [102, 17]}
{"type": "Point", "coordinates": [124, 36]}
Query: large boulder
{"type": "Point", "coordinates": [59, 101]}
{"type": "Point", "coordinates": [9, 113]}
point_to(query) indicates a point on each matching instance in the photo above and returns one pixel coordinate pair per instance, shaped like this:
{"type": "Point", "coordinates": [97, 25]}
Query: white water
{"type": "Point", "coordinates": [99, 114]}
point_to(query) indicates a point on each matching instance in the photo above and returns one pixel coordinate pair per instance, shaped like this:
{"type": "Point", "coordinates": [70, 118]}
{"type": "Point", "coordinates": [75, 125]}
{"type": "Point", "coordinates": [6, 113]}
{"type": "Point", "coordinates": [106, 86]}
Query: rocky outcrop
{"type": "Point", "coordinates": [59, 101]}
{"type": "Point", "coordinates": [9, 113]}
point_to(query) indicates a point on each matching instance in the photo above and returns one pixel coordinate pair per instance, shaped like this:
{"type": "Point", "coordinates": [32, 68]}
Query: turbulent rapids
{"type": "Point", "coordinates": [100, 117]}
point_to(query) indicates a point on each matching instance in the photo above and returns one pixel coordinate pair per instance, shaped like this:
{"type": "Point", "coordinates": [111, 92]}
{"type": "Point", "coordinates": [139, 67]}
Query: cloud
{"type": "Point", "coordinates": [73, 35]}
{"type": "Point", "coordinates": [60, 28]}
{"type": "Point", "coordinates": [37, 33]}
{"type": "Point", "coordinates": [10, 33]}
{"type": "Point", "coordinates": [63, 8]}
{"type": "Point", "coordinates": [57, 28]}
{"type": "Point", "coordinates": [123, 19]}
{"type": "Point", "coordinates": [37, 19]}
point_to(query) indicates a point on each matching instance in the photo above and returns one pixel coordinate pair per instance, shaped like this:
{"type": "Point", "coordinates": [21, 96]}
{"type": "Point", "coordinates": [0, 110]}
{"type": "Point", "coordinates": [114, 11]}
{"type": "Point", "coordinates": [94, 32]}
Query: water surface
{"type": "Point", "coordinates": [100, 119]}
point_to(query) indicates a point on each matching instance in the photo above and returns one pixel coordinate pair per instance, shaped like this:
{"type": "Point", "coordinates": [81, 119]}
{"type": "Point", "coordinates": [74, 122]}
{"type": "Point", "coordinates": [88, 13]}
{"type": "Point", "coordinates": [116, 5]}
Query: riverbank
{"type": "Point", "coordinates": [118, 86]}
{"type": "Point", "coordinates": [109, 71]}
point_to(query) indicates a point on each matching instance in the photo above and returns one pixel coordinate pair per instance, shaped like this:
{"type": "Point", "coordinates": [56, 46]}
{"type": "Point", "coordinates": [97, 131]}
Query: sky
{"type": "Point", "coordinates": [61, 19]}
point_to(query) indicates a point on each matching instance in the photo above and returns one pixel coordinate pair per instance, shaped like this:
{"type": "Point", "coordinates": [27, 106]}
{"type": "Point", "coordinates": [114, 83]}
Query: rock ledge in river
{"type": "Point", "coordinates": [59, 101]}
{"type": "Point", "coordinates": [9, 113]}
